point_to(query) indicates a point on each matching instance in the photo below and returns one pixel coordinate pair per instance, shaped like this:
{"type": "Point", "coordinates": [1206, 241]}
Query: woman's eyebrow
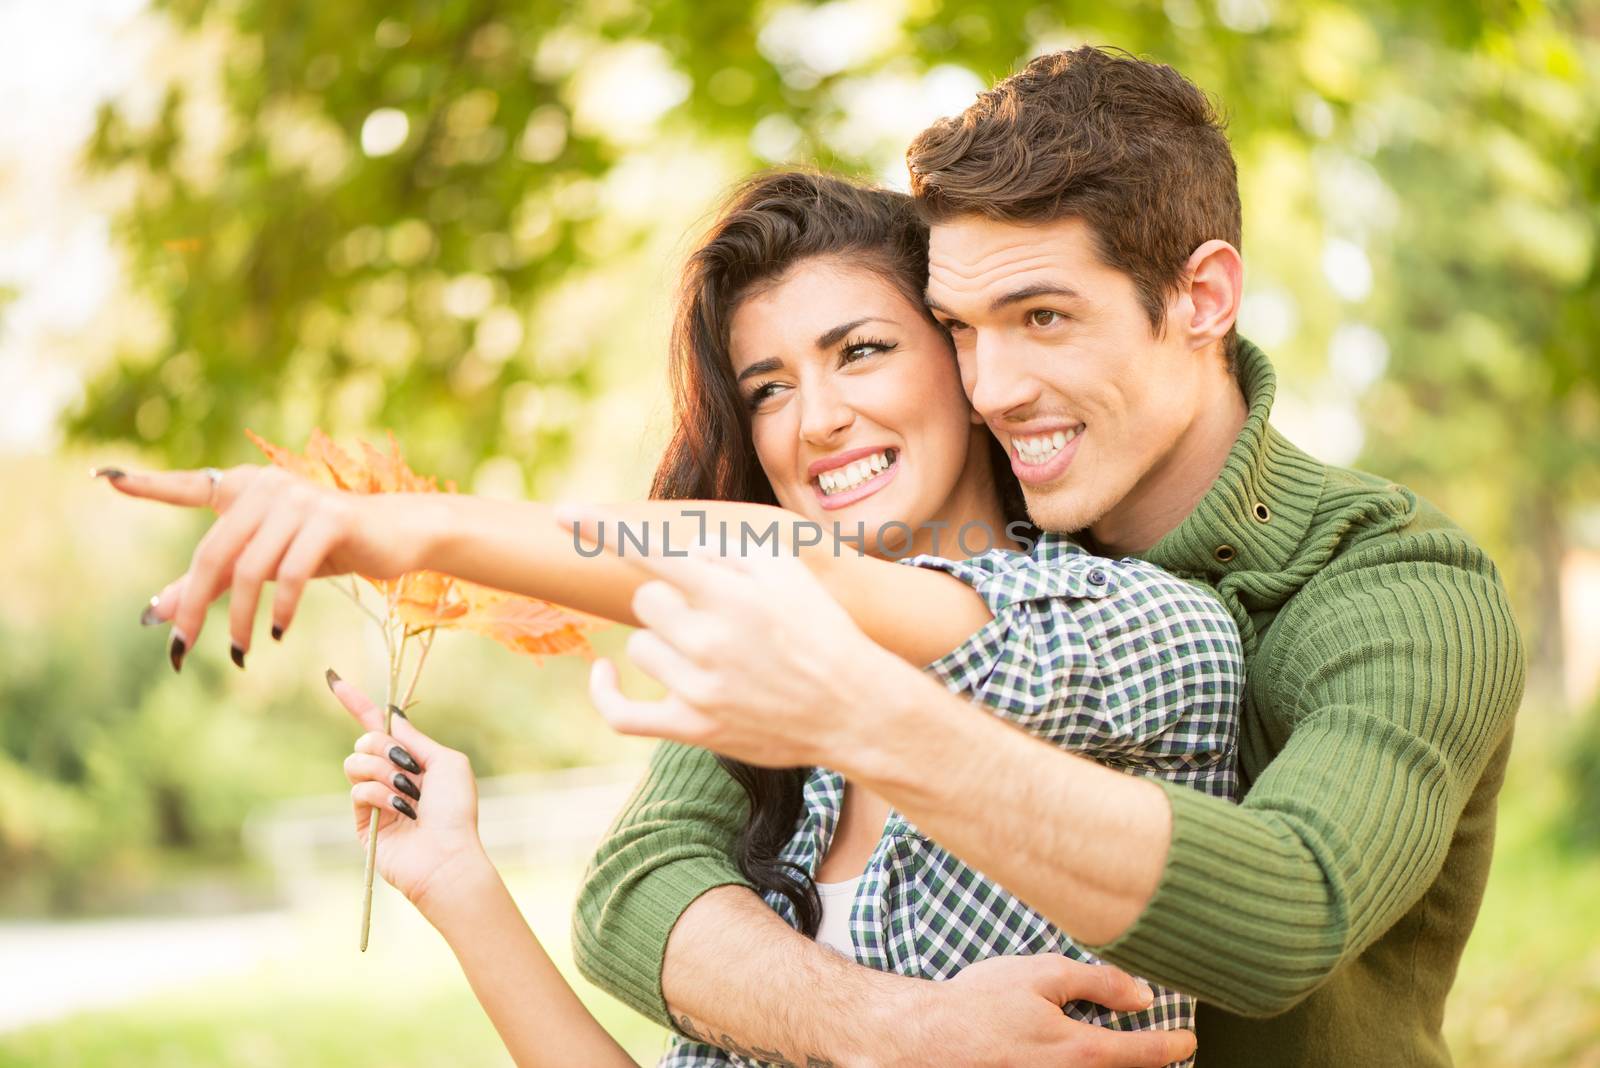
{"type": "Point", "coordinates": [829, 338]}
{"type": "Point", "coordinates": [760, 367]}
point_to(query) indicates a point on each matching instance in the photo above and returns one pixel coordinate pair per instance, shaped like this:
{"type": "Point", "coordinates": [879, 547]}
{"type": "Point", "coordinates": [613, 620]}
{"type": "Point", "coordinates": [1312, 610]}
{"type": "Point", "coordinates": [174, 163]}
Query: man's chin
{"type": "Point", "coordinates": [1061, 511]}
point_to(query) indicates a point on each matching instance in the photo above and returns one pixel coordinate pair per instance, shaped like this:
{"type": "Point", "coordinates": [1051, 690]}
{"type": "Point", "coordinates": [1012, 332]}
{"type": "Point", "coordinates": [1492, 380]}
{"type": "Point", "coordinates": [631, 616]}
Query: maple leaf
{"type": "Point", "coordinates": [524, 624]}
{"type": "Point", "coordinates": [418, 604]}
{"type": "Point", "coordinates": [429, 600]}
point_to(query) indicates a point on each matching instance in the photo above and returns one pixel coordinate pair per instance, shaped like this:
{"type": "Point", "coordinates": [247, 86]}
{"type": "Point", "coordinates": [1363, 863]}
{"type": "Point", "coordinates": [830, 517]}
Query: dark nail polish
{"type": "Point", "coordinates": [403, 783]}
{"type": "Point", "coordinates": [277, 633]}
{"type": "Point", "coordinates": [235, 651]}
{"type": "Point", "coordinates": [176, 652]}
{"type": "Point", "coordinates": [148, 617]}
{"type": "Point", "coordinates": [403, 759]}
{"type": "Point", "coordinates": [394, 710]}
{"type": "Point", "coordinates": [111, 473]}
{"type": "Point", "coordinates": [403, 805]}
{"type": "Point", "coordinates": [330, 677]}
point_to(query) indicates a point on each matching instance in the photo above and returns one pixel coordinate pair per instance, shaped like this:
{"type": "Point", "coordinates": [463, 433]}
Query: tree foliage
{"type": "Point", "coordinates": [363, 221]}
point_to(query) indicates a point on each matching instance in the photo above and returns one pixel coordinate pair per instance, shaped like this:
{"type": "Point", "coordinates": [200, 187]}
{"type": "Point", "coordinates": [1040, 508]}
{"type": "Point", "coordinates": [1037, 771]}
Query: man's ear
{"type": "Point", "coordinates": [1216, 285]}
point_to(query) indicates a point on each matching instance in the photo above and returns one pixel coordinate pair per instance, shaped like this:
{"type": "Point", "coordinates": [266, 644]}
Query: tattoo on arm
{"type": "Point", "coordinates": [728, 1042]}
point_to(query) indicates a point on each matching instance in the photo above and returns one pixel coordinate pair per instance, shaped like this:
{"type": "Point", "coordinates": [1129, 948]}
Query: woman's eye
{"type": "Point", "coordinates": [1043, 317]}
{"type": "Point", "coordinates": [863, 349]}
{"type": "Point", "coordinates": [761, 393]}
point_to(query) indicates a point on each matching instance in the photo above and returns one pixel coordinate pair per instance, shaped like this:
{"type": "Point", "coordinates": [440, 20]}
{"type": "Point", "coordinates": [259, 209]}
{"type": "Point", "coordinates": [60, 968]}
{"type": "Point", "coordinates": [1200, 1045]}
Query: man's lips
{"type": "Point", "coordinates": [1034, 471]}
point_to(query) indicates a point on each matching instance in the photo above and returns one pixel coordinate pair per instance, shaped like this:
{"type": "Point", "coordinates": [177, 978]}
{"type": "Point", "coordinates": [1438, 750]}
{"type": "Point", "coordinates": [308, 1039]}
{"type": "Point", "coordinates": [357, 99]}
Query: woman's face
{"type": "Point", "coordinates": [856, 408]}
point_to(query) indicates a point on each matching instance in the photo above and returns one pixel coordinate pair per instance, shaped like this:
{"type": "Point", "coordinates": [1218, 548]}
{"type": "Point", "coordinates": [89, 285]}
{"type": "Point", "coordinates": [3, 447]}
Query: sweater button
{"type": "Point", "coordinates": [1224, 553]}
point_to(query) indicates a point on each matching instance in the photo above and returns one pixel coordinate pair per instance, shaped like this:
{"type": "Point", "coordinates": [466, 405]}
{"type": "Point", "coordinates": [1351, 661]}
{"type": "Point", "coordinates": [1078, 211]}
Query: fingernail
{"type": "Point", "coordinates": [148, 617]}
{"type": "Point", "coordinates": [394, 710]}
{"type": "Point", "coordinates": [406, 786]}
{"type": "Point", "coordinates": [237, 652]}
{"type": "Point", "coordinates": [403, 759]}
{"type": "Point", "coordinates": [1145, 993]}
{"type": "Point", "coordinates": [109, 473]}
{"type": "Point", "coordinates": [330, 677]}
{"type": "Point", "coordinates": [177, 650]}
{"type": "Point", "coordinates": [403, 805]}
{"type": "Point", "coordinates": [277, 633]}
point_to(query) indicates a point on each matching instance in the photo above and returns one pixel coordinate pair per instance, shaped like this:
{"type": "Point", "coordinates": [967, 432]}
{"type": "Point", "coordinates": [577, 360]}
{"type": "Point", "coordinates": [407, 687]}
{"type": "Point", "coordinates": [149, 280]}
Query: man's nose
{"type": "Point", "coordinates": [1000, 378]}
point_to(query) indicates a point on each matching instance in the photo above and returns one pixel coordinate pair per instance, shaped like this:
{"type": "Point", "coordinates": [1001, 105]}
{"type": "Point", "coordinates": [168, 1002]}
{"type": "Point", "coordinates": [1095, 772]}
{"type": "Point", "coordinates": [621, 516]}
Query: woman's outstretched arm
{"type": "Point", "coordinates": [429, 850]}
{"type": "Point", "coordinates": [277, 526]}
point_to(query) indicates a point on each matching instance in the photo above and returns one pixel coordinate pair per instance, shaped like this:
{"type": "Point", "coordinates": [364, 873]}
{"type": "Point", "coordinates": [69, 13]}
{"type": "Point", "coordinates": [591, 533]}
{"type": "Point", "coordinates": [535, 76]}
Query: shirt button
{"type": "Point", "coordinates": [1097, 577]}
{"type": "Point", "coordinates": [1225, 553]}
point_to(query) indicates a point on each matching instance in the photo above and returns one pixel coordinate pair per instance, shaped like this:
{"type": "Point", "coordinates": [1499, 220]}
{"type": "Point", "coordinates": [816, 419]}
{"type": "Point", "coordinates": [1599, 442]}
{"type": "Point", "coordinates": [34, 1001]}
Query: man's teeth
{"type": "Point", "coordinates": [855, 473]}
{"type": "Point", "coordinates": [1039, 449]}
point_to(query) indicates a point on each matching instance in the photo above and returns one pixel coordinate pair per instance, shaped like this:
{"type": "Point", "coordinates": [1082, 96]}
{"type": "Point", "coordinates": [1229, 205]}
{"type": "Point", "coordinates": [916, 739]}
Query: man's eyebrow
{"type": "Point", "coordinates": [760, 367]}
{"type": "Point", "coordinates": [1038, 289]}
{"type": "Point", "coordinates": [1016, 296]}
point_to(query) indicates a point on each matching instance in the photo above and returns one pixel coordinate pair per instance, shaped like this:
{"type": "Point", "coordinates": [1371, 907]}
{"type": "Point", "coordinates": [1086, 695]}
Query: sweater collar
{"type": "Point", "coordinates": [1256, 513]}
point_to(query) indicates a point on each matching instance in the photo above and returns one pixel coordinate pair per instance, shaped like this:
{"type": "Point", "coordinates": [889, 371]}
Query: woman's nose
{"type": "Point", "coordinates": [823, 415]}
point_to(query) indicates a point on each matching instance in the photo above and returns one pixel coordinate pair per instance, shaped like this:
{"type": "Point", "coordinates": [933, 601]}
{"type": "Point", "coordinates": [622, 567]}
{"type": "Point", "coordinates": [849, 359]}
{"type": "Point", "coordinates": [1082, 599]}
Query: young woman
{"type": "Point", "coordinates": [811, 385]}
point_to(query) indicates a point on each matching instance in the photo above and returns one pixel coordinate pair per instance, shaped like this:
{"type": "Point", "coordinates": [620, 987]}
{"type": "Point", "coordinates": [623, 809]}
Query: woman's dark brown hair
{"type": "Point", "coordinates": [768, 225]}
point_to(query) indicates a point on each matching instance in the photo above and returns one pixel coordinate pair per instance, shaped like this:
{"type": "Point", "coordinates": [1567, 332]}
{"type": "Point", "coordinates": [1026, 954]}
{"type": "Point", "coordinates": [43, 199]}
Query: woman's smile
{"type": "Point", "coordinates": [844, 478]}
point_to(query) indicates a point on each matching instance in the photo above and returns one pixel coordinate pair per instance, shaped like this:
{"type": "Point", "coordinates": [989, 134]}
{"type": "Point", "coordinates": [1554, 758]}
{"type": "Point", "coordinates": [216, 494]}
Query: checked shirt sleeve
{"type": "Point", "coordinates": [1115, 659]}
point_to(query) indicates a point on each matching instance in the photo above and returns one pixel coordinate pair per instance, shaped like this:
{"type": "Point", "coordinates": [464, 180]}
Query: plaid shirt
{"type": "Point", "coordinates": [1114, 659]}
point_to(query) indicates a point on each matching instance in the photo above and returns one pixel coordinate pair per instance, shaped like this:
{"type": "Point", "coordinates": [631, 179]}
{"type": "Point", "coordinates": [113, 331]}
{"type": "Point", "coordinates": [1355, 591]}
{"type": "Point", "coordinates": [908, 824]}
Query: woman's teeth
{"type": "Point", "coordinates": [1040, 449]}
{"type": "Point", "coordinates": [851, 475]}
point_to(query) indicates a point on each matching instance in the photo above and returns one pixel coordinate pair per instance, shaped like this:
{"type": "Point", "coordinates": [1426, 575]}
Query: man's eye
{"type": "Point", "coordinates": [954, 325]}
{"type": "Point", "coordinates": [1043, 317]}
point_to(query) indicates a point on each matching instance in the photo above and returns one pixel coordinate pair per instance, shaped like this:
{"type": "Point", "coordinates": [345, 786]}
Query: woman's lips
{"type": "Point", "coordinates": [832, 501]}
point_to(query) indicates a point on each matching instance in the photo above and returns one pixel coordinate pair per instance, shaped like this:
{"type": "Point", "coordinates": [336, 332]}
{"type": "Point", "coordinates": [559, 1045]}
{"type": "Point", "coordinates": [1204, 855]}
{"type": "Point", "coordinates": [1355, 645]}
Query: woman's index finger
{"type": "Point", "coordinates": [187, 489]}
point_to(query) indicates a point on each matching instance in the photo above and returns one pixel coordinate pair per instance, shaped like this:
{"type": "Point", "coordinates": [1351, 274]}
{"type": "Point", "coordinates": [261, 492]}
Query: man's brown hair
{"type": "Point", "coordinates": [1132, 148]}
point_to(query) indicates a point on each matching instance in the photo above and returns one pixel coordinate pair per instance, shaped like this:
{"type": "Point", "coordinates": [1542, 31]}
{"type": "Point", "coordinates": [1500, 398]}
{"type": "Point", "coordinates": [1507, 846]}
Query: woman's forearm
{"type": "Point", "coordinates": [519, 546]}
{"type": "Point", "coordinates": [538, 1015]}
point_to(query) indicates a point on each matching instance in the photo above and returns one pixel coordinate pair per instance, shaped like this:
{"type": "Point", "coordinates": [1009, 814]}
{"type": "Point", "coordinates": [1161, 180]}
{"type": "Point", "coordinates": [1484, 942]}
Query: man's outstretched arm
{"type": "Point", "coordinates": [1396, 679]}
{"type": "Point", "coordinates": [665, 923]}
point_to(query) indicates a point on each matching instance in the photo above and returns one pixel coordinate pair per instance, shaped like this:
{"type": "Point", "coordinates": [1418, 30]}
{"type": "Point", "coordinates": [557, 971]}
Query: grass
{"type": "Point", "coordinates": [1528, 995]}
{"type": "Point", "coordinates": [320, 1003]}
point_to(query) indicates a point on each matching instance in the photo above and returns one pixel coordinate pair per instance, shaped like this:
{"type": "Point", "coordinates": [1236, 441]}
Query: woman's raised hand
{"type": "Point", "coordinates": [272, 525]}
{"type": "Point", "coordinates": [425, 794]}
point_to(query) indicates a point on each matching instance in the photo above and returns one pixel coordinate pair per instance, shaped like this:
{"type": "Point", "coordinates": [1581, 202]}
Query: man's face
{"type": "Point", "coordinates": [1058, 357]}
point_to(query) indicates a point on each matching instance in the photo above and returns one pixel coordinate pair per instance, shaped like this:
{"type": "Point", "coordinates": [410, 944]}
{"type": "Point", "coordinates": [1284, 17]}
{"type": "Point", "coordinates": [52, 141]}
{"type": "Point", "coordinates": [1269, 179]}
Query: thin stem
{"type": "Point", "coordinates": [422, 658]}
{"type": "Point", "coordinates": [396, 655]}
{"type": "Point", "coordinates": [354, 594]}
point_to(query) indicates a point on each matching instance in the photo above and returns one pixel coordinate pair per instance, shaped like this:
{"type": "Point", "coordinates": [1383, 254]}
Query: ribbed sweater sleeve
{"type": "Point", "coordinates": [672, 842]}
{"type": "Point", "coordinates": [1394, 676]}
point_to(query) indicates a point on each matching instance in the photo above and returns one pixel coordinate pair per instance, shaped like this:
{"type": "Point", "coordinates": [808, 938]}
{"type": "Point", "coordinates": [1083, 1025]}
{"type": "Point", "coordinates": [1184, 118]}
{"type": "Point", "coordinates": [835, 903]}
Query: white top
{"type": "Point", "coordinates": [834, 930]}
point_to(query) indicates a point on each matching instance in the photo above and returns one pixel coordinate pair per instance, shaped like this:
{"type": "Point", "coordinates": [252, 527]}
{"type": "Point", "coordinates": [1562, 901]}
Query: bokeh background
{"type": "Point", "coordinates": [462, 221]}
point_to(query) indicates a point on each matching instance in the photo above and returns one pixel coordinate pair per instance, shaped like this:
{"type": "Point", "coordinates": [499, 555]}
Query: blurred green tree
{"type": "Point", "coordinates": [358, 222]}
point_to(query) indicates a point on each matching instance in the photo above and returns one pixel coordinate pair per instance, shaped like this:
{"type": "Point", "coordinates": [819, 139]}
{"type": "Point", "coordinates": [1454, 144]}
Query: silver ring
{"type": "Point", "coordinates": [216, 480]}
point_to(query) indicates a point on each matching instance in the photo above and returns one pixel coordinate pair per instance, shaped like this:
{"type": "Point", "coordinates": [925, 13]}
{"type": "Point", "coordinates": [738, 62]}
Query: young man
{"type": "Point", "coordinates": [1084, 257]}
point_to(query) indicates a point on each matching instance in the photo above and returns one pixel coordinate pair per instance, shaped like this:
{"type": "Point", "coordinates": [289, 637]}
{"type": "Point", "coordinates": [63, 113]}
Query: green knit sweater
{"type": "Point", "coordinates": [1321, 920]}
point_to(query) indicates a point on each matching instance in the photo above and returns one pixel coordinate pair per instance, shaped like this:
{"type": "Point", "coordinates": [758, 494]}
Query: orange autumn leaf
{"type": "Point", "coordinates": [525, 625]}
{"type": "Point", "coordinates": [429, 600]}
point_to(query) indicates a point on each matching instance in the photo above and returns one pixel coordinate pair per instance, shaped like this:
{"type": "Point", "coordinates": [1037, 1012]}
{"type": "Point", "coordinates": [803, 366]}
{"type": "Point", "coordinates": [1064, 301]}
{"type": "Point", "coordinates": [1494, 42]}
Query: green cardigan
{"type": "Point", "coordinates": [1321, 920]}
